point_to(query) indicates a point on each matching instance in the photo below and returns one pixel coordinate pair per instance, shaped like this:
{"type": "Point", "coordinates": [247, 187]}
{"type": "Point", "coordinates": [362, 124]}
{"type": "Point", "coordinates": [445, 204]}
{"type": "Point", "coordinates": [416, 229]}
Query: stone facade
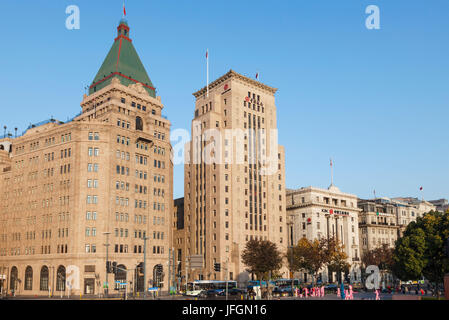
{"type": "Point", "coordinates": [67, 189]}
{"type": "Point", "coordinates": [316, 213]}
{"type": "Point", "coordinates": [229, 198]}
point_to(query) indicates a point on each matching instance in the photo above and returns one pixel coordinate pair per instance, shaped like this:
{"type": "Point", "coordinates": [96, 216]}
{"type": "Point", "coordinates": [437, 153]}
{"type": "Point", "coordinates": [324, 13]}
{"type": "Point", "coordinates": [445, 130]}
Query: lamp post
{"type": "Point", "coordinates": [107, 250]}
{"type": "Point", "coordinates": [145, 238]}
{"type": "Point", "coordinates": [290, 224]}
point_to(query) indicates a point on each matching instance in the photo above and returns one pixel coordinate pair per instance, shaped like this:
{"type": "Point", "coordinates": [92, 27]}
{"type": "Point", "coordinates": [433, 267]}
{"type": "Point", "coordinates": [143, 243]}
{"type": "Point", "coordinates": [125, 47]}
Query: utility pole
{"type": "Point", "coordinates": [187, 272]}
{"type": "Point", "coordinates": [169, 267]}
{"type": "Point", "coordinates": [174, 268]}
{"type": "Point", "coordinates": [145, 238]}
{"type": "Point", "coordinates": [226, 278]}
{"type": "Point", "coordinates": [107, 251]}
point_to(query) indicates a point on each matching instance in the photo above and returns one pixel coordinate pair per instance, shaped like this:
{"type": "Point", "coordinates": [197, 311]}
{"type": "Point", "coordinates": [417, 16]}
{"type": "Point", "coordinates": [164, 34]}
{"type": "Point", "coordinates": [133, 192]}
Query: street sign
{"type": "Point", "coordinates": [153, 289]}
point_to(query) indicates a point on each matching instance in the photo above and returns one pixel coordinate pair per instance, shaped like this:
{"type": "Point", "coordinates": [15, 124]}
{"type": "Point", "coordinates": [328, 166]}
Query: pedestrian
{"type": "Point", "coordinates": [342, 290]}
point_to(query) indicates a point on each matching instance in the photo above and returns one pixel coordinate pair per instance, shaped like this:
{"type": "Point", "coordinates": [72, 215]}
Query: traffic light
{"type": "Point", "coordinates": [108, 267]}
{"type": "Point", "coordinates": [114, 267]}
{"type": "Point", "coordinates": [217, 267]}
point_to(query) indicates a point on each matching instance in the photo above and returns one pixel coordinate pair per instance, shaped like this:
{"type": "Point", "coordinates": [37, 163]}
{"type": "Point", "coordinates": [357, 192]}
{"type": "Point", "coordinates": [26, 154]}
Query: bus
{"type": "Point", "coordinates": [284, 286]}
{"type": "Point", "coordinates": [286, 283]}
{"type": "Point", "coordinates": [258, 283]}
{"type": "Point", "coordinates": [196, 287]}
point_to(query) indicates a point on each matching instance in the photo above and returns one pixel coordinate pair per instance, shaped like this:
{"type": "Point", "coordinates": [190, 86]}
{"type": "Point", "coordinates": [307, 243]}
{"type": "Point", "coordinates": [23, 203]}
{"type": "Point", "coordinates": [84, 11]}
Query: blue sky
{"type": "Point", "coordinates": [376, 101]}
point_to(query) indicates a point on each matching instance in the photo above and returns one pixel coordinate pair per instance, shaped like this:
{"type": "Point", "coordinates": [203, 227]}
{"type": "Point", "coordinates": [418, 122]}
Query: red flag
{"type": "Point", "coordinates": [207, 54]}
{"type": "Point", "coordinates": [257, 75]}
{"type": "Point", "coordinates": [124, 10]}
{"type": "Point", "coordinates": [420, 189]}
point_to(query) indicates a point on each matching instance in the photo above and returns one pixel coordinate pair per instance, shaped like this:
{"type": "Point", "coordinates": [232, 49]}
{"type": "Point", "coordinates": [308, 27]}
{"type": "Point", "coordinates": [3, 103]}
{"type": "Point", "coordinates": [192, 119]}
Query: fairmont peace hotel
{"type": "Point", "coordinates": [73, 192]}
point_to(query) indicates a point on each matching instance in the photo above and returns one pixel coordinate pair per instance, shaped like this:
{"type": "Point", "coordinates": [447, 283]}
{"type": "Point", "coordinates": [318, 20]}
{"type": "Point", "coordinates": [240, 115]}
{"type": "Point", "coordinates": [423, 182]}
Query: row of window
{"type": "Point", "coordinates": [123, 140]}
{"type": "Point", "coordinates": [94, 136]}
{"type": "Point", "coordinates": [122, 155]}
{"type": "Point", "coordinates": [93, 152]}
{"type": "Point", "coordinates": [122, 170]}
{"type": "Point", "coordinates": [123, 124]}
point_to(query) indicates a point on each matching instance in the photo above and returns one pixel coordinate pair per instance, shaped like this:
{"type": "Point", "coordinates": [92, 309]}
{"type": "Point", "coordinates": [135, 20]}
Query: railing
{"type": "Point", "coordinates": [38, 124]}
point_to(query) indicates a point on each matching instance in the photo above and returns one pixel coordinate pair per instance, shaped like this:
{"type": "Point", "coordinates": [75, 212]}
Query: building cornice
{"type": "Point", "coordinates": [234, 75]}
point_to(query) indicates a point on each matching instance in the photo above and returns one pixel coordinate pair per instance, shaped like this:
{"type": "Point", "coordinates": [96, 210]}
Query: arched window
{"type": "Point", "coordinates": [13, 279]}
{"type": "Point", "coordinates": [120, 275]}
{"type": "Point", "coordinates": [139, 123]}
{"type": "Point", "coordinates": [139, 284]}
{"type": "Point", "coordinates": [60, 279]}
{"type": "Point", "coordinates": [28, 278]}
{"type": "Point", "coordinates": [44, 279]}
{"type": "Point", "coordinates": [158, 275]}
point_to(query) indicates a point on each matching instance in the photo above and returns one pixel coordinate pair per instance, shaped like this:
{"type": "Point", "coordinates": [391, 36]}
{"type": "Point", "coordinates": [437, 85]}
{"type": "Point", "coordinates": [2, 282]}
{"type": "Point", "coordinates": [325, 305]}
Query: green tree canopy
{"type": "Point", "coordinates": [261, 257]}
{"type": "Point", "coordinates": [421, 251]}
{"type": "Point", "coordinates": [313, 256]}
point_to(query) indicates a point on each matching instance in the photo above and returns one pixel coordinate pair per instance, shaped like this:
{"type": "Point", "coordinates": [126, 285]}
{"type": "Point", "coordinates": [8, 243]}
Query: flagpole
{"type": "Point", "coordinates": [207, 67]}
{"type": "Point", "coordinates": [332, 173]}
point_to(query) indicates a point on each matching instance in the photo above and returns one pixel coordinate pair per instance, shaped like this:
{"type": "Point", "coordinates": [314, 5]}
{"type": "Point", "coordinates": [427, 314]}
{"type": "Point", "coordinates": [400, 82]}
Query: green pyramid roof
{"type": "Point", "coordinates": [122, 62]}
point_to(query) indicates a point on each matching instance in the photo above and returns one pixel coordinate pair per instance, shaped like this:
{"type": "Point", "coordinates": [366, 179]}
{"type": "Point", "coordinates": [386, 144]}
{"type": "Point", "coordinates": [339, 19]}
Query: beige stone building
{"type": "Point", "coordinates": [179, 240]}
{"type": "Point", "coordinates": [234, 176]}
{"type": "Point", "coordinates": [64, 185]}
{"type": "Point", "coordinates": [383, 220]}
{"type": "Point", "coordinates": [378, 224]}
{"type": "Point", "coordinates": [316, 213]}
{"type": "Point", "coordinates": [409, 209]}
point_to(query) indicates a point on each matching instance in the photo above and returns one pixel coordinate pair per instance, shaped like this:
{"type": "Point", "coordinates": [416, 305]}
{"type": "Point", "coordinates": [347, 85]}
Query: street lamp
{"type": "Point", "coordinates": [145, 238]}
{"type": "Point", "coordinates": [107, 261]}
{"type": "Point", "coordinates": [290, 224]}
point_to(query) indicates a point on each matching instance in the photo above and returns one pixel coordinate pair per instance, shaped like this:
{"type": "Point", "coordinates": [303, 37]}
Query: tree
{"type": "Point", "coordinates": [337, 259]}
{"type": "Point", "coordinates": [421, 251]}
{"type": "Point", "coordinates": [381, 257]}
{"type": "Point", "coordinates": [261, 257]}
{"type": "Point", "coordinates": [313, 256]}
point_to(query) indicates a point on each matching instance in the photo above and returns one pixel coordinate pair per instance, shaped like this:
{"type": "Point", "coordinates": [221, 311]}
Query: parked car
{"type": "Point", "coordinates": [331, 287]}
{"type": "Point", "coordinates": [236, 292]}
{"type": "Point", "coordinates": [232, 292]}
